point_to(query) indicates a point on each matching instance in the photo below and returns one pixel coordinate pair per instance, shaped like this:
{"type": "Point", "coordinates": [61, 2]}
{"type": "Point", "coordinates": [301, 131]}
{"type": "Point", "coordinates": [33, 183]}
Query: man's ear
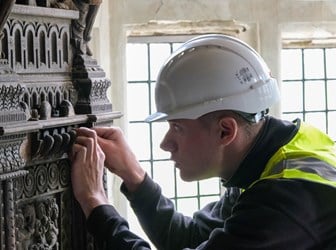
{"type": "Point", "coordinates": [228, 128]}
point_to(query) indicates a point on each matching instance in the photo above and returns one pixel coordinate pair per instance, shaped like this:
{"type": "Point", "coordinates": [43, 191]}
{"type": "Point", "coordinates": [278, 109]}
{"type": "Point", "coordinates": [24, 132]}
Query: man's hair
{"type": "Point", "coordinates": [216, 115]}
{"type": "Point", "coordinates": [243, 119]}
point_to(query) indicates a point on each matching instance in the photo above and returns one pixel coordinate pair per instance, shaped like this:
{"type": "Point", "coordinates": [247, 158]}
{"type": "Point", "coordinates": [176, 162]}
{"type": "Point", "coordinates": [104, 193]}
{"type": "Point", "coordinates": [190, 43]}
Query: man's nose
{"type": "Point", "coordinates": [168, 145]}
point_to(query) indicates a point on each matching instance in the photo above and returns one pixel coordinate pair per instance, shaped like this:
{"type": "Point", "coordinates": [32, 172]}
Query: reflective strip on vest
{"type": "Point", "coordinates": [307, 169]}
{"type": "Point", "coordinates": [310, 156]}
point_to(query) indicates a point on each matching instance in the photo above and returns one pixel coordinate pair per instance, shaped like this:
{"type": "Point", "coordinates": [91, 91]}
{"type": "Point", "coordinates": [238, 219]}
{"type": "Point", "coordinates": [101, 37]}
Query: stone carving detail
{"type": "Point", "coordinates": [9, 208]}
{"type": "Point", "coordinates": [5, 9]}
{"type": "Point", "coordinates": [66, 235]}
{"type": "Point", "coordinates": [34, 45]}
{"type": "Point", "coordinates": [10, 159]}
{"type": "Point", "coordinates": [37, 225]}
{"type": "Point", "coordinates": [48, 86]}
{"type": "Point", "coordinates": [91, 85]}
{"type": "Point", "coordinates": [42, 179]}
{"type": "Point", "coordinates": [51, 144]}
{"type": "Point", "coordinates": [62, 4]}
{"type": "Point", "coordinates": [82, 27]}
{"type": "Point", "coordinates": [47, 101]}
{"type": "Point", "coordinates": [43, 210]}
{"type": "Point", "coordinates": [99, 89]}
{"type": "Point", "coordinates": [90, 96]}
{"type": "Point", "coordinates": [10, 97]}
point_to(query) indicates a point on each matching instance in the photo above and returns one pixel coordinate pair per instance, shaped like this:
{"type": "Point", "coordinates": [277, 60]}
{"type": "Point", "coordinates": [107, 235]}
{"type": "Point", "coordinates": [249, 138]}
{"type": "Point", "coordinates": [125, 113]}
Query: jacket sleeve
{"type": "Point", "coordinates": [168, 229]}
{"type": "Point", "coordinates": [271, 215]}
{"type": "Point", "coordinates": [111, 231]}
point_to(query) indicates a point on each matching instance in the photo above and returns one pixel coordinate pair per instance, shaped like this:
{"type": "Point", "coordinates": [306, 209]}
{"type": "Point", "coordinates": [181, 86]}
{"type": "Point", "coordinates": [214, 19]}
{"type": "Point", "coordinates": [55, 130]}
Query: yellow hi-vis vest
{"type": "Point", "coordinates": [310, 155]}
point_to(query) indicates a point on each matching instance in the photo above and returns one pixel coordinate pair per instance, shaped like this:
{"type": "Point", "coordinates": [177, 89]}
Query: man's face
{"type": "Point", "coordinates": [195, 149]}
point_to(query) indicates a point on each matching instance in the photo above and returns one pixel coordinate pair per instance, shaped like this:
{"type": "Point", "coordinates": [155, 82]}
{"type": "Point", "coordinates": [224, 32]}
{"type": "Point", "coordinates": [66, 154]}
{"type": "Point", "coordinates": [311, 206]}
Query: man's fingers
{"type": "Point", "coordinates": [103, 131]}
{"type": "Point", "coordinates": [87, 138]}
{"type": "Point", "coordinates": [103, 142]}
{"type": "Point", "coordinates": [87, 132]}
{"type": "Point", "coordinates": [84, 141]}
{"type": "Point", "coordinates": [78, 152]}
{"type": "Point", "coordinates": [108, 132]}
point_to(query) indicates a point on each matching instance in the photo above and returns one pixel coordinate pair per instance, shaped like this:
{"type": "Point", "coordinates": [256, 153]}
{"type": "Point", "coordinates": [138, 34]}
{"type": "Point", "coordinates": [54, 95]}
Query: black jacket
{"type": "Point", "coordinates": [272, 214]}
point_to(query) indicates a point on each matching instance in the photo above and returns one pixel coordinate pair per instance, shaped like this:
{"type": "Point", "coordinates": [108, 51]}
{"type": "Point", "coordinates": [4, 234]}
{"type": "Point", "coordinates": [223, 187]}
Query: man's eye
{"type": "Point", "coordinates": [176, 127]}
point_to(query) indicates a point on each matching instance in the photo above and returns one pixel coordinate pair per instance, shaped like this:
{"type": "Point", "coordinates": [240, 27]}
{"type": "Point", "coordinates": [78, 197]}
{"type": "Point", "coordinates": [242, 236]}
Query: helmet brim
{"type": "Point", "coordinates": [158, 116]}
{"type": "Point", "coordinates": [265, 92]}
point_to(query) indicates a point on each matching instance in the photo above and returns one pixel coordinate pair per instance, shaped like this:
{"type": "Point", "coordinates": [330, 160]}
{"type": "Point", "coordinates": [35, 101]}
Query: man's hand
{"type": "Point", "coordinates": [87, 171]}
{"type": "Point", "coordinates": [120, 159]}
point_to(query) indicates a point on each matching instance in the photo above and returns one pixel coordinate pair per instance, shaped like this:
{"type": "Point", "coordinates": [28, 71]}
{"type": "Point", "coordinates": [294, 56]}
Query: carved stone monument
{"type": "Point", "coordinates": [47, 88]}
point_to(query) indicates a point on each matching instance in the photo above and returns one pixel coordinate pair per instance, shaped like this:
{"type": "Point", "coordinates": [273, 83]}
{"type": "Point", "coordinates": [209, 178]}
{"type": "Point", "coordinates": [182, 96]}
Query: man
{"type": "Point", "coordinates": [215, 92]}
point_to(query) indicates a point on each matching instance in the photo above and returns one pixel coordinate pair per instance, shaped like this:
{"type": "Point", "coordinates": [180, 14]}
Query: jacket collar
{"type": "Point", "coordinates": [274, 135]}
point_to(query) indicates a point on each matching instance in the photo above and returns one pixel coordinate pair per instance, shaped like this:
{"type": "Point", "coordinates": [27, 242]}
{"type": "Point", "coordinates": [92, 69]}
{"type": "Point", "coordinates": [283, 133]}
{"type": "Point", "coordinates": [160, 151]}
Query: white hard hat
{"type": "Point", "coordinates": [211, 73]}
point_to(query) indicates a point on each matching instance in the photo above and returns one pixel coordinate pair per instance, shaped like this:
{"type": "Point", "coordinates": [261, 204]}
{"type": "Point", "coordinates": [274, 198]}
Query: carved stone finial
{"type": "Point", "coordinates": [45, 111]}
{"type": "Point", "coordinates": [66, 109]}
{"type": "Point", "coordinates": [63, 4]}
{"type": "Point", "coordinates": [5, 8]}
{"type": "Point", "coordinates": [82, 27]}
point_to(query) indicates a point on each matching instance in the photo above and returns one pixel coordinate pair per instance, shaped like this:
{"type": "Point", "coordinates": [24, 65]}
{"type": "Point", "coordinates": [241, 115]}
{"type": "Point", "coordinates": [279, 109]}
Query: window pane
{"type": "Point", "coordinates": [331, 88]}
{"type": "Point", "coordinates": [315, 95]}
{"type": "Point", "coordinates": [313, 63]}
{"type": "Point", "coordinates": [186, 188]}
{"type": "Point", "coordinates": [163, 174]}
{"type": "Point", "coordinates": [176, 46]}
{"type": "Point", "coordinates": [331, 62]}
{"type": "Point", "coordinates": [319, 95]}
{"type": "Point", "coordinates": [159, 52]}
{"type": "Point", "coordinates": [153, 106]}
{"type": "Point", "coordinates": [292, 116]}
{"type": "Point", "coordinates": [332, 125]}
{"type": "Point", "coordinates": [292, 96]}
{"type": "Point", "coordinates": [138, 137]}
{"type": "Point", "coordinates": [187, 206]}
{"type": "Point", "coordinates": [291, 64]}
{"type": "Point", "coordinates": [208, 199]}
{"type": "Point", "coordinates": [159, 130]}
{"type": "Point", "coordinates": [137, 101]}
{"type": "Point", "coordinates": [136, 62]}
{"type": "Point", "coordinates": [317, 119]}
{"type": "Point", "coordinates": [147, 167]}
{"type": "Point", "coordinates": [210, 186]}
